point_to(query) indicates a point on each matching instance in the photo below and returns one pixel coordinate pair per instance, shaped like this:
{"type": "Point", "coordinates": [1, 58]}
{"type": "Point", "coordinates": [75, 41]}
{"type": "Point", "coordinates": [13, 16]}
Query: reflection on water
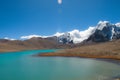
{"type": "Point", "coordinates": [23, 66]}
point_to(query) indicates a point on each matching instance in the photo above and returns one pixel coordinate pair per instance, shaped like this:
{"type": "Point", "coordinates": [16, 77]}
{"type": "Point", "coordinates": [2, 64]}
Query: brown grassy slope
{"type": "Point", "coordinates": [109, 50]}
{"type": "Point", "coordinates": [30, 44]}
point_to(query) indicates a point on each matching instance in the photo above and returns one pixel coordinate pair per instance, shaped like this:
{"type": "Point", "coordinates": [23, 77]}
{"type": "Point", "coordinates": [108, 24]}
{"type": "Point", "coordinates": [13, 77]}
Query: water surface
{"type": "Point", "coordinates": [23, 66]}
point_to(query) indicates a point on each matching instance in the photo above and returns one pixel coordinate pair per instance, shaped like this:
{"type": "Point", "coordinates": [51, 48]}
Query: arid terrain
{"type": "Point", "coordinates": [110, 50]}
{"type": "Point", "coordinates": [30, 44]}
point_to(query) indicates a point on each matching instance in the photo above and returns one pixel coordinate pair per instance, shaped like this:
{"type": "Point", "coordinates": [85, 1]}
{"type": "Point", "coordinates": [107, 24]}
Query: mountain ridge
{"type": "Point", "coordinates": [103, 32]}
{"type": "Point", "coordinates": [102, 28]}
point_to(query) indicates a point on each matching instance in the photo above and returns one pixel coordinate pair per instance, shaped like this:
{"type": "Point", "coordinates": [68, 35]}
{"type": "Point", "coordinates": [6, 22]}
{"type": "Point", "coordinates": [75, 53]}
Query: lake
{"type": "Point", "coordinates": [23, 66]}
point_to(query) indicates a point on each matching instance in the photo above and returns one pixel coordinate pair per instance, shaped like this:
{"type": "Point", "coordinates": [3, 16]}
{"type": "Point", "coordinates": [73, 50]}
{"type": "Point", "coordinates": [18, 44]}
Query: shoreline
{"type": "Point", "coordinates": [2, 52]}
{"type": "Point", "coordinates": [111, 59]}
{"type": "Point", "coordinates": [109, 51]}
{"type": "Point", "coordinates": [63, 53]}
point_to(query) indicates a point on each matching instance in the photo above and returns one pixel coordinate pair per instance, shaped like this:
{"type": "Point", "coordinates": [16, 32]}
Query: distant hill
{"type": "Point", "coordinates": [30, 44]}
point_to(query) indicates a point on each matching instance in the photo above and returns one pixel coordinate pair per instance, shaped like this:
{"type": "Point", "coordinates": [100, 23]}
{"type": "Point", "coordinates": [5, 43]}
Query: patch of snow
{"type": "Point", "coordinates": [31, 36]}
{"type": "Point", "coordinates": [9, 38]}
{"type": "Point", "coordinates": [117, 24]}
{"type": "Point", "coordinates": [102, 24]}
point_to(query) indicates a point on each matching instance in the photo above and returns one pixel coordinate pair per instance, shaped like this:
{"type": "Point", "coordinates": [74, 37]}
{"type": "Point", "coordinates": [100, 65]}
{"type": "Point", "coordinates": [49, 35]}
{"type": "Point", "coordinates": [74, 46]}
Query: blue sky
{"type": "Point", "coordinates": [46, 17]}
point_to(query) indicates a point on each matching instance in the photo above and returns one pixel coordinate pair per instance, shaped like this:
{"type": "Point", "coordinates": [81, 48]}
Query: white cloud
{"type": "Point", "coordinates": [9, 38]}
{"type": "Point", "coordinates": [79, 36]}
{"type": "Point", "coordinates": [31, 36]}
{"type": "Point", "coordinates": [58, 34]}
{"type": "Point", "coordinates": [76, 35]}
{"type": "Point", "coordinates": [59, 1]}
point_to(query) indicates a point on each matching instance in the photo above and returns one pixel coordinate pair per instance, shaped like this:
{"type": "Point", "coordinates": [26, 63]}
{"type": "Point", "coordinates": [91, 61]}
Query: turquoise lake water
{"type": "Point", "coordinates": [23, 66]}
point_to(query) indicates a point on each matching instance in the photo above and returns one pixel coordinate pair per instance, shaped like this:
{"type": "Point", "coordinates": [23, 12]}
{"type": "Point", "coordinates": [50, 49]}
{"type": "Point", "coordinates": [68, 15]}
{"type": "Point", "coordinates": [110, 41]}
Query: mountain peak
{"type": "Point", "coordinates": [105, 31]}
{"type": "Point", "coordinates": [102, 24]}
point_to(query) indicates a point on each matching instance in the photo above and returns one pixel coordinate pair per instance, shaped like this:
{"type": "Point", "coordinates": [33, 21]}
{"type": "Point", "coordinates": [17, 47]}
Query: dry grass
{"type": "Point", "coordinates": [109, 50]}
{"type": "Point", "coordinates": [31, 44]}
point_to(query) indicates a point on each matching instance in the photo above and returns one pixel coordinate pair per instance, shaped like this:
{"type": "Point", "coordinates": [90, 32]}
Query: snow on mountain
{"type": "Point", "coordinates": [102, 24]}
{"type": "Point", "coordinates": [79, 36]}
{"type": "Point", "coordinates": [58, 34]}
{"type": "Point", "coordinates": [66, 38]}
{"type": "Point", "coordinates": [31, 36]}
{"type": "Point", "coordinates": [75, 35]}
{"type": "Point", "coordinates": [9, 39]}
{"type": "Point", "coordinates": [117, 24]}
{"type": "Point", "coordinates": [104, 31]}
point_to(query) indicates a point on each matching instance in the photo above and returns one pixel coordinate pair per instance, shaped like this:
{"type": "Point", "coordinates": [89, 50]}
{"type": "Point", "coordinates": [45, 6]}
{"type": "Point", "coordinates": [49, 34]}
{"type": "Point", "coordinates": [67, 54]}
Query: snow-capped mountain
{"type": "Point", "coordinates": [75, 36]}
{"type": "Point", "coordinates": [105, 31]}
{"type": "Point", "coordinates": [66, 38]}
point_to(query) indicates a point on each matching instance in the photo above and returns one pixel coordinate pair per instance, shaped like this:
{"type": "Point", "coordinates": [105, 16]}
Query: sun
{"type": "Point", "coordinates": [59, 1]}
